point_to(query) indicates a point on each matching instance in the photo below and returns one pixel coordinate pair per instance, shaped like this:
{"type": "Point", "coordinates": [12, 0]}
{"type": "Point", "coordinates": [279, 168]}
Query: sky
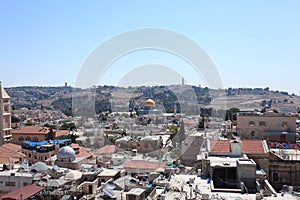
{"type": "Point", "coordinates": [251, 43]}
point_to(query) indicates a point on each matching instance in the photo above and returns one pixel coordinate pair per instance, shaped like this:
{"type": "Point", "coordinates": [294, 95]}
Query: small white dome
{"type": "Point", "coordinates": [66, 152]}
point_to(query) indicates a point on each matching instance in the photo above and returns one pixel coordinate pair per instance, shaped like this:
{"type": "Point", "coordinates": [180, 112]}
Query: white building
{"type": "Point", "coordinates": [13, 179]}
{"type": "Point", "coordinates": [5, 116]}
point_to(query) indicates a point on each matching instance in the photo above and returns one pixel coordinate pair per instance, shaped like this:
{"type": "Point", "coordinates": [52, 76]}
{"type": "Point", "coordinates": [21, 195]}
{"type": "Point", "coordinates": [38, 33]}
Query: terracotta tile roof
{"type": "Point", "coordinates": [140, 164]}
{"type": "Point", "coordinates": [248, 146]}
{"type": "Point", "coordinates": [32, 130]}
{"type": "Point", "coordinates": [27, 192]}
{"type": "Point", "coordinates": [83, 152]}
{"type": "Point", "coordinates": [222, 146]}
{"type": "Point", "coordinates": [253, 146]}
{"type": "Point", "coordinates": [75, 146]}
{"type": "Point", "coordinates": [10, 151]}
{"type": "Point", "coordinates": [61, 133]}
{"type": "Point", "coordinates": [108, 149]}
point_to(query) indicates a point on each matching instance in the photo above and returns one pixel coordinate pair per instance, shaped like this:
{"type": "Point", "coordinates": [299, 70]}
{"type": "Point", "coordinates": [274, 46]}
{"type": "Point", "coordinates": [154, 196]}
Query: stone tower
{"type": "Point", "coordinates": [5, 116]}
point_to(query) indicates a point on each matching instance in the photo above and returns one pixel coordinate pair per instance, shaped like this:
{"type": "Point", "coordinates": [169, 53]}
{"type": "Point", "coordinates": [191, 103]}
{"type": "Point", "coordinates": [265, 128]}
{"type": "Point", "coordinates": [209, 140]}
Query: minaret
{"type": "Point", "coordinates": [5, 115]}
{"type": "Point", "coordinates": [182, 81]}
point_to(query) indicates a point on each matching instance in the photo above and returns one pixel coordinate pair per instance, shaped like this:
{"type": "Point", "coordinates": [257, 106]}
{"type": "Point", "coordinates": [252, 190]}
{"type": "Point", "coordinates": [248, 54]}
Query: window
{"type": "Point", "coordinates": [251, 123]}
{"type": "Point", "coordinates": [284, 124]}
{"type": "Point", "coordinates": [7, 120]}
{"type": "Point", "coordinates": [275, 177]}
{"type": "Point", "coordinates": [6, 108]}
{"type": "Point", "coordinates": [35, 139]}
{"type": "Point", "coordinates": [10, 184]}
{"type": "Point", "coordinates": [262, 123]}
{"type": "Point", "coordinates": [21, 138]}
{"type": "Point", "coordinates": [25, 184]}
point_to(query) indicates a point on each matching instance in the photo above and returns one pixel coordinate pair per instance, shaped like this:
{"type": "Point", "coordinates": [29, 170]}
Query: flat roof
{"type": "Point", "coordinates": [222, 161]}
{"type": "Point", "coordinates": [16, 173]}
{"type": "Point", "coordinates": [246, 162]}
{"type": "Point", "coordinates": [109, 172]}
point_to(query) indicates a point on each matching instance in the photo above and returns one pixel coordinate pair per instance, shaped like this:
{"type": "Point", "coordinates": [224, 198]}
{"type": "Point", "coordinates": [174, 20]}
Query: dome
{"type": "Point", "coordinates": [149, 103]}
{"type": "Point", "coordinates": [15, 118]}
{"type": "Point", "coordinates": [39, 167]}
{"type": "Point", "coordinates": [66, 152]}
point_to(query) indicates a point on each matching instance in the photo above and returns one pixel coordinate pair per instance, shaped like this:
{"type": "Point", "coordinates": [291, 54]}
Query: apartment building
{"type": "Point", "coordinates": [274, 126]}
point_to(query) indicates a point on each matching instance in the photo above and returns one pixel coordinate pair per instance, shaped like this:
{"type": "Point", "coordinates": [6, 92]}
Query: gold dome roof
{"type": "Point", "coordinates": [149, 103]}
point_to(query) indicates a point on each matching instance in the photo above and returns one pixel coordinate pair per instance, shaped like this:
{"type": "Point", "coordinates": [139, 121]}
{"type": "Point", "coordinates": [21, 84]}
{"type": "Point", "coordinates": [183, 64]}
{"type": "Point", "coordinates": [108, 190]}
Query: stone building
{"type": "Point", "coordinates": [32, 133]}
{"type": "Point", "coordinates": [270, 125]}
{"type": "Point", "coordinates": [190, 148]}
{"type": "Point", "coordinates": [284, 168]}
{"type": "Point", "coordinates": [5, 116]}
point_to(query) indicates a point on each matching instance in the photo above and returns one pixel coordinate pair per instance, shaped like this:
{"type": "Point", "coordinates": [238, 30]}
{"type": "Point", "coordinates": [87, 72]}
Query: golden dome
{"type": "Point", "coordinates": [149, 103]}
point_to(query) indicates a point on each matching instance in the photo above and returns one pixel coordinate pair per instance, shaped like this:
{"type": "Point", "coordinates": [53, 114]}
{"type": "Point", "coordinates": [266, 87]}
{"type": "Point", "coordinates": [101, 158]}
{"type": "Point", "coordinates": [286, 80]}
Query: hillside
{"type": "Point", "coordinates": [186, 99]}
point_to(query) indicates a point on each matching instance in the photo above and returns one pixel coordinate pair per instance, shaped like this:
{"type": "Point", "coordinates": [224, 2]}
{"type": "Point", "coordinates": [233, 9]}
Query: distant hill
{"type": "Point", "coordinates": [181, 98]}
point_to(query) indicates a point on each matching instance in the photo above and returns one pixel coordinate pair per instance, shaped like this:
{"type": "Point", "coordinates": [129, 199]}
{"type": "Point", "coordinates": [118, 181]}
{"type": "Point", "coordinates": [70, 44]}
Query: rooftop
{"type": "Point", "coordinates": [15, 173]}
{"type": "Point", "coordinates": [3, 93]}
{"type": "Point", "coordinates": [220, 146]}
{"type": "Point", "coordinates": [139, 164]}
{"type": "Point", "coordinates": [248, 146]}
{"type": "Point", "coordinates": [32, 130]}
{"type": "Point", "coordinates": [10, 151]}
{"type": "Point", "coordinates": [107, 149]}
{"type": "Point", "coordinates": [109, 172]}
{"type": "Point", "coordinates": [25, 192]}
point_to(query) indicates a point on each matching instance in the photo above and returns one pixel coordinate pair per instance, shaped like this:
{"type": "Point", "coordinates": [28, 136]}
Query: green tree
{"type": "Point", "coordinates": [68, 126]}
{"type": "Point", "coordinates": [231, 114]}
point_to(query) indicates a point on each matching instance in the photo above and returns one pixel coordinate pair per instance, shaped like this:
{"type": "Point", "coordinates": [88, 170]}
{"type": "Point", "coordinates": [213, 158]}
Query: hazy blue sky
{"type": "Point", "coordinates": [252, 43]}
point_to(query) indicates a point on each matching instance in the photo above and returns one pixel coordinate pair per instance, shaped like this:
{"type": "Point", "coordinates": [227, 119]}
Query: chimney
{"type": "Point", "coordinates": [236, 148]}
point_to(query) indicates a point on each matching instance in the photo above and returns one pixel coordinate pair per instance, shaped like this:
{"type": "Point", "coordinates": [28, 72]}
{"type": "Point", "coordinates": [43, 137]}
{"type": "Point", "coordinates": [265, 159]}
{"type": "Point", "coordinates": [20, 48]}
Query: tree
{"type": "Point", "coordinates": [68, 126]}
{"type": "Point", "coordinates": [201, 123]}
{"type": "Point", "coordinates": [180, 136]}
{"type": "Point", "coordinates": [28, 123]}
{"type": "Point", "coordinates": [231, 114]}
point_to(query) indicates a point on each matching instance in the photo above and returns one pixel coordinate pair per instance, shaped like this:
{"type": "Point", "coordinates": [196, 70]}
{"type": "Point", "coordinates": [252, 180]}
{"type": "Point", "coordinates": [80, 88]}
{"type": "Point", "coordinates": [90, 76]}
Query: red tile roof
{"type": "Point", "coordinates": [253, 146]}
{"type": "Point", "coordinates": [75, 146]}
{"type": "Point", "coordinates": [222, 146]}
{"type": "Point", "coordinates": [83, 152]}
{"type": "Point", "coordinates": [140, 164]}
{"type": "Point", "coordinates": [32, 130]}
{"type": "Point", "coordinates": [249, 146]}
{"type": "Point", "coordinates": [61, 133]}
{"type": "Point", "coordinates": [10, 151]}
{"type": "Point", "coordinates": [108, 149]}
{"type": "Point", "coordinates": [27, 191]}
